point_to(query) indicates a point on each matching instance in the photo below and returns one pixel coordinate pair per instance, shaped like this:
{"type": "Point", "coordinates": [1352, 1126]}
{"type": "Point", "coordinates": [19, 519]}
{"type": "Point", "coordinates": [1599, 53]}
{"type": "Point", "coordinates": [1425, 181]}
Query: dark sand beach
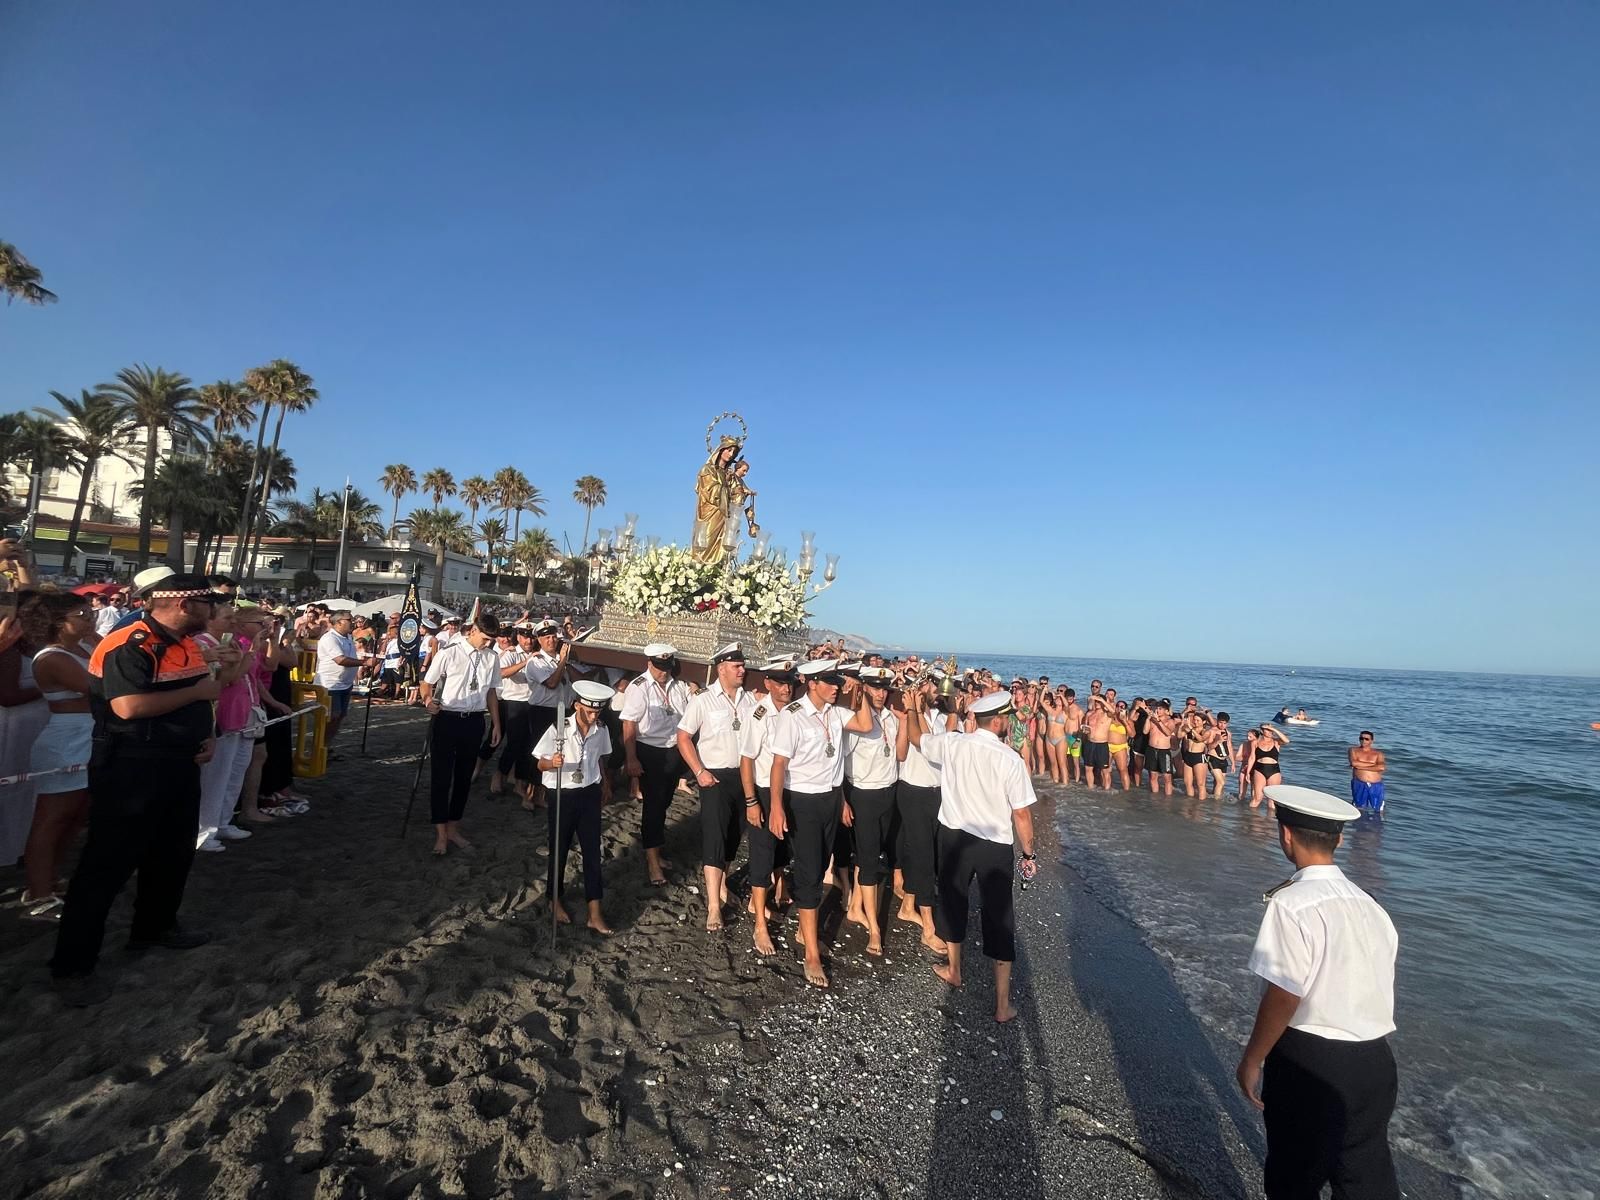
{"type": "Point", "coordinates": [371, 1021]}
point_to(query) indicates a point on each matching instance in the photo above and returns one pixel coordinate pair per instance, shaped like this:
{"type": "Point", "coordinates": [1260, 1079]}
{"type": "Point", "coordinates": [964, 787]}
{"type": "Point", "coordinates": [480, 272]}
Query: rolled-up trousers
{"type": "Point", "coordinates": [919, 823]}
{"type": "Point", "coordinates": [814, 820]}
{"type": "Point", "coordinates": [456, 738]}
{"type": "Point", "coordinates": [661, 769]}
{"type": "Point", "coordinates": [721, 818]}
{"type": "Point", "coordinates": [963, 858]}
{"type": "Point", "coordinates": [580, 817]}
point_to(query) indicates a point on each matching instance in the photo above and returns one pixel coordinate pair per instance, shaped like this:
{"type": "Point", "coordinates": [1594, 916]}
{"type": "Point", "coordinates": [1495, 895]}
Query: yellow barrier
{"type": "Point", "coordinates": [310, 730]}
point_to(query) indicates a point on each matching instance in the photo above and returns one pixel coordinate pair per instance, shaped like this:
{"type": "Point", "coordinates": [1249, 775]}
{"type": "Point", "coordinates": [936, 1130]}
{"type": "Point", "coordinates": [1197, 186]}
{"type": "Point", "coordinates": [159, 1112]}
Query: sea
{"type": "Point", "coordinates": [1487, 858]}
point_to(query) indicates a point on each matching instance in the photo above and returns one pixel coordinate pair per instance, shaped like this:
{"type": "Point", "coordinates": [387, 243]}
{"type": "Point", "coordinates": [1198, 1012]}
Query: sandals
{"type": "Point", "coordinates": [44, 910]}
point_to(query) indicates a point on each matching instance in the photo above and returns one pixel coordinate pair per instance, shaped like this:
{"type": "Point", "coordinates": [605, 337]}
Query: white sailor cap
{"type": "Point", "coordinates": [780, 669]}
{"type": "Point", "coordinates": [1306, 808]}
{"type": "Point", "coordinates": [877, 676]}
{"type": "Point", "coordinates": [821, 670]}
{"type": "Point", "coordinates": [546, 626]}
{"type": "Point", "coordinates": [661, 650]}
{"type": "Point", "coordinates": [591, 694]}
{"type": "Point", "coordinates": [996, 704]}
{"type": "Point", "coordinates": [732, 652]}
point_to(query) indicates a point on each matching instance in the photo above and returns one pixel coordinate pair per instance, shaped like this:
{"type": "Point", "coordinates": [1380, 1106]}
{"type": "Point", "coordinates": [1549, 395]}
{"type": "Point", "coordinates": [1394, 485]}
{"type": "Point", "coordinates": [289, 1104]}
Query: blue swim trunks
{"type": "Point", "coordinates": [1367, 795]}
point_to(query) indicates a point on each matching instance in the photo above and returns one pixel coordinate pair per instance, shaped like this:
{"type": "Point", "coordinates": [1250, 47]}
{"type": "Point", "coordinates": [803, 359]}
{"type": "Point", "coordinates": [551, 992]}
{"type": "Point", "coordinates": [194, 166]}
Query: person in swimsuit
{"type": "Point", "coordinates": [1367, 766]}
{"type": "Point", "coordinates": [1074, 728]}
{"type": "Point", "coordinates": [1022, 725]}
{"type": "Point", "coordinates": [1054, 710]}
{"type": "Point", "coordinates": [1138, 717]}
{"type": "Point", "coordinates": [1193, 730]}
{"type": "Point", "coordinates": [1118, 744]}
{"type": "Point", "coordinates": [1159, 731]}
{"type": "Point", "coordinates": [1219, 752]}
{"type": "Point", "coordinates": [1266, 770]}
{"type": "Point", "coordinates": [1097, 753]}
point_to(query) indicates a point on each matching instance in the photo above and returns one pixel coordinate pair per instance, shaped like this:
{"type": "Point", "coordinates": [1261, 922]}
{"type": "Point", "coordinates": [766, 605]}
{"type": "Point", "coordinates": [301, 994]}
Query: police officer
{"type": "Point", "coordinates": [807, 802]}
{"type": "Point", "coordinates": [768, 854]}
{"type": "Point", "coordinates": [708, 741]}
{"type": "Point", "coordinates": [651, 709]}
{"type": "Point", "coordinates": [984, 794]}
{"type": "Point", "coordinates": [574, 755]}
{"type": "Point", "coordinates": [1319, 1052]}
{"type": "Point", "coordinates": [152, 691]}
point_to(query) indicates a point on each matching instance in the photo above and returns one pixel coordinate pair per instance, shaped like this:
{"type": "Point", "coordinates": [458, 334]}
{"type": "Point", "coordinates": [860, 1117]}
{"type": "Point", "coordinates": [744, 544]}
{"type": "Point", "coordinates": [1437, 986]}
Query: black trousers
{"type": "Point", "coordinates": [813, 819]}
{"type": "Point", "coordinates": [540, 718]}
{"type": "Point", "coordinates": [662, 768]}
{"type": "Point", "coordinates": [142, 817]}
{"type": "Point", "coordinates": [456, 738]}
{"type": "Point", "coordinates": [1328, 1106]}
{"type": "Point", "coordinates": [919, 821]}
{"type": "Point", "coordinates": [767, 853]}
{"type": "Point", "coordinates": [516, 739]}
{"type": "Point", "coordinates": [721, 818]}
{"type": "Point", "coordinates": [963, 857]}
{"type": "Point", "coordinates": [873, 810]}
{"type": "Point", "coordinates": [580, 815]}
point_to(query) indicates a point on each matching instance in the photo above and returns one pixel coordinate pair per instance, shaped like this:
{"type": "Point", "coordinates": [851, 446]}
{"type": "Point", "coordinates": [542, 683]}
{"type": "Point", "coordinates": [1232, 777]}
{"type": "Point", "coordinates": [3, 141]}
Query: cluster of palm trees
{"type": "Point", "coordinates": [211, 483]}
{"type": "Point", "coordinates": [507, 493]}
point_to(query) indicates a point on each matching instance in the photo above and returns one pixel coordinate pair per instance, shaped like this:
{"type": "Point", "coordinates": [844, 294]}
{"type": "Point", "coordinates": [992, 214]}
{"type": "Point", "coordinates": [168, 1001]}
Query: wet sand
{"type": "Point", "coordinates": [371, 1021]}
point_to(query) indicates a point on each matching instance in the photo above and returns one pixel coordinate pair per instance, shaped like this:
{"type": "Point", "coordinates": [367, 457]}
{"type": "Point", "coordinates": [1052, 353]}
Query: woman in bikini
{"type": "Point", "coordinates": [1022, 726]}
{"type": "Point", "coordinates": [1265, 770]}
{"type": "Point", "coordinates": [1193, 731]}
{"type": "Point", "coordinates": [1119, 743]}
{"type": "Point", "coordinates": [1053, 709]}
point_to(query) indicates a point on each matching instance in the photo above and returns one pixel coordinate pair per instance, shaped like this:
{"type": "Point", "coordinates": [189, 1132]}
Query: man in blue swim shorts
{"type": "Point", "coordinates": [1366, 774]}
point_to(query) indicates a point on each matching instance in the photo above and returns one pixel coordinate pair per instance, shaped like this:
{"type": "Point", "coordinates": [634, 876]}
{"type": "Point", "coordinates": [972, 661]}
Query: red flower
{"type": "Point", "coordinates": [705, 606]}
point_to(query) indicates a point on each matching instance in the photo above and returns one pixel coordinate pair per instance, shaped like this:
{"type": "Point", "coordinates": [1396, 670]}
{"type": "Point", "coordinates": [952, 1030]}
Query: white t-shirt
{"type": "Point", "coordinates": [871, 760]}
{"type": "Point", "coordinates": [805, 736]}
{"type": "Point", "coordinates": [719, 722]}
{"type": "Point", "coordinates": [105, 619]}
{"type": "Point", "coordinates": [1328, 942]}
{"type": "Point", "coordinates": [513, 686]}
{"type": "Point", "coordinates": [331, 646]}
{"type": "Point", "coordinates": [981, 781]}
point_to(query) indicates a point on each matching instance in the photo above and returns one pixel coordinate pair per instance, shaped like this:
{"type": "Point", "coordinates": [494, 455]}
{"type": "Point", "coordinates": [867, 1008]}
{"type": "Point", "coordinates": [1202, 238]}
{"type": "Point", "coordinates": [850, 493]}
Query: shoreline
{"type": "Point", "coordinates": [371, 1021]}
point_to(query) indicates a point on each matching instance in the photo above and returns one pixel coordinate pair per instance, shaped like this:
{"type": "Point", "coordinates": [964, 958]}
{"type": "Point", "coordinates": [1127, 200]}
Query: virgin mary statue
{"type": "Point", "coordinates": [715, 490]}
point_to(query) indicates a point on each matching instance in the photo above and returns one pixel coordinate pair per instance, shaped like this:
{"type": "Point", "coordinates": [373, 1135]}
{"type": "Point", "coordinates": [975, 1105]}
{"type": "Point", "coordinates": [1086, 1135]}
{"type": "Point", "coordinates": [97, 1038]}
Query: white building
{"type": "Point", "coordinates": [108, 500]}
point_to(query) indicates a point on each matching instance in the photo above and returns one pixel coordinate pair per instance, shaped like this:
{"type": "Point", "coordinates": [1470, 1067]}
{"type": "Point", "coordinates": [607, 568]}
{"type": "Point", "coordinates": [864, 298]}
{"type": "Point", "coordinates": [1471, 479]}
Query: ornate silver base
{"type": "Point", "coordinates": [696, 635]}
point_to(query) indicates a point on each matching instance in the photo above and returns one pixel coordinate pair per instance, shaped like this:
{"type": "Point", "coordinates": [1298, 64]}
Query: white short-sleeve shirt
{"type": "Point", "coordinates": [916, 769]}
{"type": "Point", "coordinates": [754, 743]}
{"type": "Point", "coordinates": [1328, 942]}
{"type": "Point", "coordinates": [583, 755]}
{"type": "Point", "coordinates": [803, 735]}
{"type": "Point", "coordinates": [331, 646]}
{"type": "Point", "coordinates": [514, 686]}
{"type": "Point", "coordinates": [871, 762]}
{"type": "Point", "coordinates": [718, 722]}
{"type": "Point", "coordinates": [656, 709]}
{"type": "Point", "coordinates": [981, 781]}
{"type": "Point", "coordinates": [540, 667]}
{"type": "Point", "coordinates": [462, 677]}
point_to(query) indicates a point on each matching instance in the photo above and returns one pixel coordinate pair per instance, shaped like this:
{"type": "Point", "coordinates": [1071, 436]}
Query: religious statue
{"type": "Point", "coordinates": [720, 494]}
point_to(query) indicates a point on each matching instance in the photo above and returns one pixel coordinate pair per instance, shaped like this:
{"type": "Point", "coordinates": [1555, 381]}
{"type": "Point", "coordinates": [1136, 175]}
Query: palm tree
{"type": "Point", "coordinates": [315, 520]}
{"type": "Point", "coordinates": [229, 405]}
{"type": "Point", "coordinates": [397, 480]}
{"type": "Point", "coordinates": [282, 384]}
{"type": "Point", "coordinates": [20, 279]}
{"type": "Point", "coordinates": [99, 429]}
{"type": "Point", "coordinates": [183, 488]}
{"type": "Point", "coordinates": [41, 444]}
{"type": "Point", "coordinates": [438, 483]}
{"type": "Point", "coordinates": [589, 491]}
{"type": "Point", "coordinates": [445, 529]}
{"type": "Point", "coordinates": [493, 532]}
{"type": "Point", "coordinates": [533, 550]}
{"type": "Point", "coordinates": [231, 462]}
{"type": "Point", "coordinates": [513, 493]}
{"type": "Point", "coordinates": [476, 491]}
{"type": "Point", "coordinates": [156, 401]}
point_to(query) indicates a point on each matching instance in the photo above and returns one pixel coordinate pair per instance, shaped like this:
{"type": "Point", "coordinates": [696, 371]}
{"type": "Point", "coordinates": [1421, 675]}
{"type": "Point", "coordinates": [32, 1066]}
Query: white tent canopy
{"type": "Point", "coordinates": [334, 603]}
{"type": "Point", "coordinates": [396, 602]}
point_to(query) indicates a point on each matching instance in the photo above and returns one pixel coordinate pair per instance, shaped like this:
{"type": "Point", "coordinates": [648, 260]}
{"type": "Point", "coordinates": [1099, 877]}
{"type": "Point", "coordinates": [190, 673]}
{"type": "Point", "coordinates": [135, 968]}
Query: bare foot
{"type": "Point", "coordinates": [1004, 1012]}
{"type": "Point", "coordinates": [439, 848]}
{"type": "Point", "coordinates": [562, 917]}
{"type": "Point", "coordinates": [910, 914]}
{"type": "Point", "coordinates": [947, 973]}
{"type": "Point", "coordinates": [815, 975]}
{"type": "Point", "coordinates": [858, 915]}
{"type": "Point", "coordinates": [875, 945]}
{"type": "Point", "coordinates": [599, 925]}
{"type": "Point", "coordinates": [764, 945]}
{"type": "Point", "coordinates": [935, 943]}
{"type": "Point", "coordinates": [750, 906]}
{"type": "Point", "coordinates": [457, 840]}
{"type": "Point", "coordinates": [713, 922]}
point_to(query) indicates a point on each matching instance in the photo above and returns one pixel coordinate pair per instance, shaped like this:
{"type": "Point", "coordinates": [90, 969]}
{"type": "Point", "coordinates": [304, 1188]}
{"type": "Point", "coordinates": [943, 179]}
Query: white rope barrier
{"type": "Point", "coordinates": [75, 768]}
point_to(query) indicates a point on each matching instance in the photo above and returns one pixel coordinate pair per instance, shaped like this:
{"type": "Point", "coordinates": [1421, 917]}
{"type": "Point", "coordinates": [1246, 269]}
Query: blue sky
{"type": "Point", "coordinates": [1238, 333]}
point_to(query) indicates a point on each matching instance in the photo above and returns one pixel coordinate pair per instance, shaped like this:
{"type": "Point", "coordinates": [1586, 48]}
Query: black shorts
{"type": "Point", "coordinates": [1193, 758]}
{"type": "Point", "coordinates": [1097, 754]}
{"type": "Point", "coordinates": [1159, 760]}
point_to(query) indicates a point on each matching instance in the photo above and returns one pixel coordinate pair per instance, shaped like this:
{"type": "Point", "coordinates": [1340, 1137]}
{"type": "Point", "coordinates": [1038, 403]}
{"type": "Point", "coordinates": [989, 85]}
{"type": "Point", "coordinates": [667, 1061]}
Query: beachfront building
{"type": "Point", "coordinates": [108, 498]}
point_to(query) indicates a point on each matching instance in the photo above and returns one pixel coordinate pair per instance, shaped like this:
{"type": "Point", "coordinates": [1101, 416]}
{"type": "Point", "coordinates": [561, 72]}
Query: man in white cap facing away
{"type": "Point", "coordinates": [651, 709]}
{"type": "Point", "coordinates": [985, 800]}
{"type": "Point", "coordinates": [1319, 1052]}
{"type": "Point", "coordinates": [807, 801]}
{"type": "Point", "coordinates": [575, 757]}
{"type": "Point", "coordinates": [708, 740]}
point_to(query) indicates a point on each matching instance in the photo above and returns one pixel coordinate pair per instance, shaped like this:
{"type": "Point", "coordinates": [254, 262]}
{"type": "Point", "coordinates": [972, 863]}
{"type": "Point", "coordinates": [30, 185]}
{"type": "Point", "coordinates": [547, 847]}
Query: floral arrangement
{"type": "Point", "coordinates": [669, 580]}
